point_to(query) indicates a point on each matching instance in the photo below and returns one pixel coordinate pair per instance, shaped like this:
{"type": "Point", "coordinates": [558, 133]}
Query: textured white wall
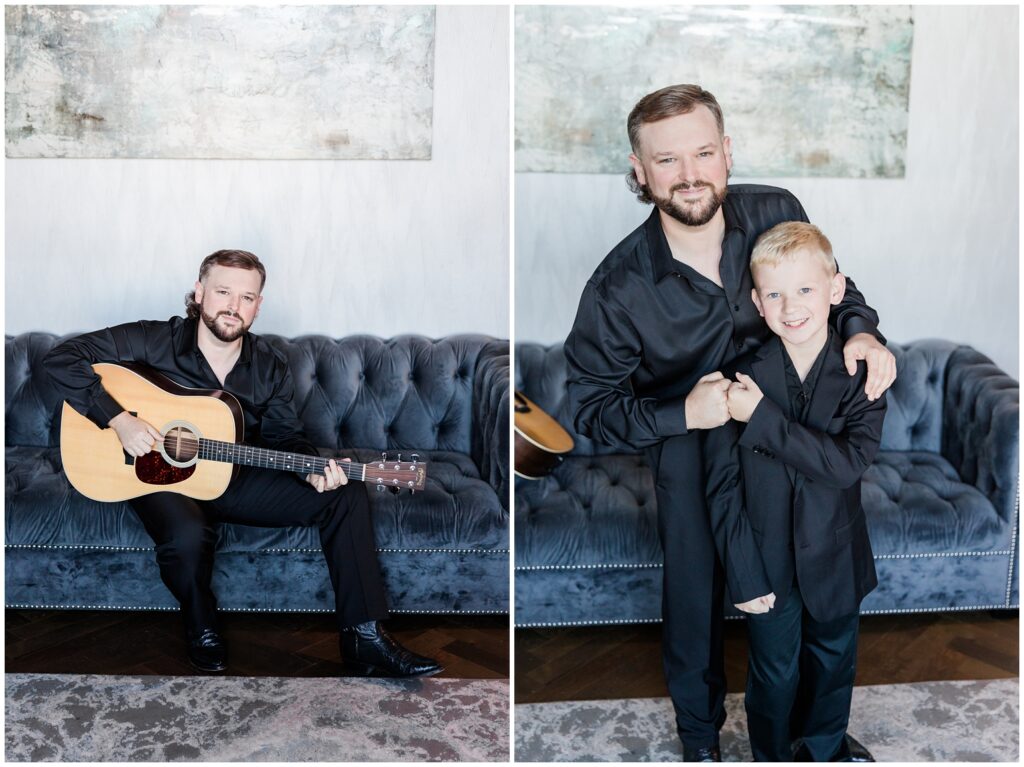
{"type": "Point", "coordinates": [936, 253]}
{"type": "Point", "coordinates": [350, 247]}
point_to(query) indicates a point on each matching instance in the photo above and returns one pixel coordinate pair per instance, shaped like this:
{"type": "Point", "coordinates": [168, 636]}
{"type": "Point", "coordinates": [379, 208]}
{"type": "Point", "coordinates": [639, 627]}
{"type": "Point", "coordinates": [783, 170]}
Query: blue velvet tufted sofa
{"type": "Point", "coordinates": [443, 550]}
{"type": "Point", "coordinates": [941, 500]}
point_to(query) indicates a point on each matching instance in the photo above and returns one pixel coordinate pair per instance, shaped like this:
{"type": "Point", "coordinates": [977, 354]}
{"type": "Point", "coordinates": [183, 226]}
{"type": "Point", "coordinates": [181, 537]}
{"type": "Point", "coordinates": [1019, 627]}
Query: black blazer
{"type": "Point", "coordinates": [795, 508]}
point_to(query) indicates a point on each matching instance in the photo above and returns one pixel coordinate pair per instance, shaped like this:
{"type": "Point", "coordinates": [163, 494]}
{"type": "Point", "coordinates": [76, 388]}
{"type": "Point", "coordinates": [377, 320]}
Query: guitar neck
{"type": "Point", "coordinates": [300, 463]}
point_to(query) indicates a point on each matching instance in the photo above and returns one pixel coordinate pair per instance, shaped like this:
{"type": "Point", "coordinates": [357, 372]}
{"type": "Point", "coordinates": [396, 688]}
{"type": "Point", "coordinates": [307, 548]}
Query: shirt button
{"type": "Point", "coordinates": [736, 307]}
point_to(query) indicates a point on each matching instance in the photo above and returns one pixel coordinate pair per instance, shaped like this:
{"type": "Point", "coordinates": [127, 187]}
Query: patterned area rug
{"type": "Point", "coordinates": [924, 722]}
{"type": "Point", "coordinates": [73, 718]}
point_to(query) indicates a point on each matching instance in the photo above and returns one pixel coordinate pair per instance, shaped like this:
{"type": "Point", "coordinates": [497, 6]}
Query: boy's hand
{"type": "Point", "coordinates": [880, 361]}
{"type": "Point", "coordinates": [744, 395]}
{"type": "Point", "coordinates": [759, 605]}
{"type": "Point", "coordinates": [706, 406]}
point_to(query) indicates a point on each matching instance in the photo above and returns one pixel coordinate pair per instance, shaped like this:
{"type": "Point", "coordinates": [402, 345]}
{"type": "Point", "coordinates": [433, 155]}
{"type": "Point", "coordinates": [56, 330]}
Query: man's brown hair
{"type": "Point", "coordinates": [238, 259]}
{"type": "Point", "coordinates": [667, 102]}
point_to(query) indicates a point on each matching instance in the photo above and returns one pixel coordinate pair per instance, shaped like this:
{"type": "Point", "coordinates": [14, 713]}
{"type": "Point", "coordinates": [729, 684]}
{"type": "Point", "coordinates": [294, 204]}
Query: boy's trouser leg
{"type": "Point", "coordinates": [828, 666]}
{"type": "Point", "coordinates": [276, 499]}
{"type": "Point", "coordinates": [773, 677]}
{"type": "Point", "coordinates": [184, 538]}
{"type": "Point", "coordinates": [692, 593]}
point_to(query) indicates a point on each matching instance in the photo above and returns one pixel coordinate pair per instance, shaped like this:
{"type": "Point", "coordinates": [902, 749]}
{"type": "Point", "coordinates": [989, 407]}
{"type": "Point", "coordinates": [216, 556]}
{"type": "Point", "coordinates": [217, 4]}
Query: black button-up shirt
{"type": "Point", "coordinates": [260, 379]}
{"type": "Point", "coordinates": [800, 392]}
{"type": "Point", "coordinates": [648, 326]}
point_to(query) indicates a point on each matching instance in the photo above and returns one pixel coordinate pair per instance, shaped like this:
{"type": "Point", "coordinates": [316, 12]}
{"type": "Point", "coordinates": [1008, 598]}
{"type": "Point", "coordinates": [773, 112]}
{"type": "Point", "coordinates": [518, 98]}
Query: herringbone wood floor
{"type": "Point", "coordinates": [269, 644]}
{"type": "Point", "coordinates": [625, 661]}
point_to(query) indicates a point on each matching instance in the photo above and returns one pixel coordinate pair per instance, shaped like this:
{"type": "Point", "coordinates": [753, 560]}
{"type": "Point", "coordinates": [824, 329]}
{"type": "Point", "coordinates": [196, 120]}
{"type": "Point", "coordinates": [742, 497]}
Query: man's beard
{"type": "Point", "coordinates": [697, 213]}
{"type": "Point", "coordinates": [223, 334]}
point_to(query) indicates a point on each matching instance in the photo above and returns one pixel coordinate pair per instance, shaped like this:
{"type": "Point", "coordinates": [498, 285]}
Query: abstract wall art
{"type": "Point", "coordinates": [806, 90]}
{"type": "Point", "coordinates": [180, 81]}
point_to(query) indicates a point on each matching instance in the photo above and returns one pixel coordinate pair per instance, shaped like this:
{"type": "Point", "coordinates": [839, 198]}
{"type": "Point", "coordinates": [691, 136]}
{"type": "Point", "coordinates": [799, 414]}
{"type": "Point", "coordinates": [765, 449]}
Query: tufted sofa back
{"type": "Point", "coordinates": [915, 403]}
{"type": "Point", "coordinates": [354, 392]}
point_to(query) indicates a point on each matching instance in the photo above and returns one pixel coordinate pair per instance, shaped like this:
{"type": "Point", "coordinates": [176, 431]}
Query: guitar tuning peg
{"type": "Point", "coordinates": [384, 456]}
{"type": "Point", "coordinates": [380, 488]}
{"type": "Point", "coordinates": [395, 490]}
{"type": "Point", "coordinates": [399, 457]}
{"type": "Point", "coordinates": [415, 457]}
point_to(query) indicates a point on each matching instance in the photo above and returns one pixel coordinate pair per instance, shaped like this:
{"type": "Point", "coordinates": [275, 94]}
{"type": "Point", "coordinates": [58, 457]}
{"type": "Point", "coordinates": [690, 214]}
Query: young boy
{"type": "Point", "coordinates": [784, 498]}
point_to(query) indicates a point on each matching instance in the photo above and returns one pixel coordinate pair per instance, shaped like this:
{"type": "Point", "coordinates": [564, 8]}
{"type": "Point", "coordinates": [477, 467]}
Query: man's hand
{"type": "Point", "coordinates": [137, 437]}
{"type": "Point", "coordinates": [881, 363]}
{"type": "Point", "coordinates": [759, 605]}
{"type": "Point", "coordinates": [332, 478]}
{"type": "Point", "coordinates": [743, 398]}
{"type": "Point", "coordinates": [706, 406]}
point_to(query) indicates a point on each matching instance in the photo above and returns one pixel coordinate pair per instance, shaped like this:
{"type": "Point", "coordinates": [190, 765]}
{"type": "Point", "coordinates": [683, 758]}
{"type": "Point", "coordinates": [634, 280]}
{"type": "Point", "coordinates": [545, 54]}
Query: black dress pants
{"type": "Point", "coordinates": [692, 591]}
{"type": "Point", "coordinates": [184, 533]}
{"type": "Point", "coordinates": [800, 682]}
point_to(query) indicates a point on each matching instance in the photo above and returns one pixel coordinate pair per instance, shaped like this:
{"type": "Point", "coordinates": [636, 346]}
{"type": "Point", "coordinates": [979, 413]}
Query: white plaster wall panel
{"type": "Point", "coordinates": [936, 253]}
{"type": "Point", "coordinates": [381, 247]}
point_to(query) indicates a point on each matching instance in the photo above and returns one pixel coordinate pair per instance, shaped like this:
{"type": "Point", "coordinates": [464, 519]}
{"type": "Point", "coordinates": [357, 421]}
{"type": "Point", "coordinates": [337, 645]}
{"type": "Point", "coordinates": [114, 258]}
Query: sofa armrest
{"type": "Point", "coordinates": [489, 440]}
{"type": "Point", "coordinates": [980, 427]}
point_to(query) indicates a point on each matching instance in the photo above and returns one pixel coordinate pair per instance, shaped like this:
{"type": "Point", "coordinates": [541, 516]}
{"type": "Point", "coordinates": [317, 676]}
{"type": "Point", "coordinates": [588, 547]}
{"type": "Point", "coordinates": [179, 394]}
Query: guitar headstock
{"type": "Point", "coordinates": [396, 474]}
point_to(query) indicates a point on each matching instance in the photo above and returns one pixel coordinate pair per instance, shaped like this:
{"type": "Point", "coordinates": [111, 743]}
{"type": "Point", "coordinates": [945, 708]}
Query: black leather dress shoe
{"type": "Point", "coordinates": [206, 650]}
{"type": "Point", "coordinates": [369, 650]}
{"type": "Point", "coordinates": [854, 752]}
{"type": "Point", "coordinates": [709, 754]}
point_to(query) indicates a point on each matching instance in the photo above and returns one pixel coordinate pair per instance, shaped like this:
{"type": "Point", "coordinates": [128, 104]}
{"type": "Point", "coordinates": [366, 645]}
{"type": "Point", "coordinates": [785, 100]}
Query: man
{"type": "Point", "coordinates": [213, 349]}
{"type": "Point", "coordinates": [660, 315]}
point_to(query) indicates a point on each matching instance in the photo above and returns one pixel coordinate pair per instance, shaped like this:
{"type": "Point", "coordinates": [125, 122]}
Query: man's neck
{"type": "Point", "coordinates": [221, 355]}
{"type": "Point", "coordinates": [697, 246]}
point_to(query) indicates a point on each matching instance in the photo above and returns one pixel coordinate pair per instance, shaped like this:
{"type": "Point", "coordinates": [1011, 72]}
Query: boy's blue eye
{"type": "Point", "coordinates": [805, 290]}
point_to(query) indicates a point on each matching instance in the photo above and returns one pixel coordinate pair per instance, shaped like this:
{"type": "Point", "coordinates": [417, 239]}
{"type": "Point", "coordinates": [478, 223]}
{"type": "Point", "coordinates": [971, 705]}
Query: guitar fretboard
{"type": "Point", "coordinates": [230, 452]}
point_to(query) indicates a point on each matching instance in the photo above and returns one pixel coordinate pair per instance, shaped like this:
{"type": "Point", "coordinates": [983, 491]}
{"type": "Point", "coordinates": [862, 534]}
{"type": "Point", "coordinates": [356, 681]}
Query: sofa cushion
{"type": "Point", "coordinates": [916, 504]}
{"type": "Point", "coordinates": [601, 510]}
{"type": "Point", "coordinates": [457, 510]}
{"type": "Point", "coordinates": [591, 511]}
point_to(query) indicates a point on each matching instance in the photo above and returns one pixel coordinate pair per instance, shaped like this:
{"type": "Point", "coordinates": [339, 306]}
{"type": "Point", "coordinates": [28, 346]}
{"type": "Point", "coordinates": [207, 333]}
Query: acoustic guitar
{"type": "Point", "coordinates": [200, 452]}
{"type": "Point", "coordinates": [540, 441]}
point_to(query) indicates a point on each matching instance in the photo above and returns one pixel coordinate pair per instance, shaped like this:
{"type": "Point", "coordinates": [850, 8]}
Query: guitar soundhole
{"type": "Point", "coordinates": [181, 444]}
{"type": "Point", "coordinates": [154, 470]}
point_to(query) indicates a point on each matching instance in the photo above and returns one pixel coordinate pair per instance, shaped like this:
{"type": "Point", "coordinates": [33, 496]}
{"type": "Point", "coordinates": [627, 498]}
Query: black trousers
{"type": "Point", "coordinates": [800, 682]}
{"type": "Point", "coordinates": [184, 533]}
{"type": "Point", "coordinates": [692, 591]}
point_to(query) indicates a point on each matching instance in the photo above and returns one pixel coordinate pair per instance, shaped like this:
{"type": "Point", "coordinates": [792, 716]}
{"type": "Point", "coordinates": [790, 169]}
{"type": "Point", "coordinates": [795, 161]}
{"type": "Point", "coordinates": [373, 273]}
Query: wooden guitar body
{"type": "Point", "coordinates": [99, 468]}
{"type": "Point", "coordinates": [540, 440]}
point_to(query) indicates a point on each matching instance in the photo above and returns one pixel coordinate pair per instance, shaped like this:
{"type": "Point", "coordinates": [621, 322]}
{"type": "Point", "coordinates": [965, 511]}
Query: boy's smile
{"type": "Point", "coordinates": [795, 297]}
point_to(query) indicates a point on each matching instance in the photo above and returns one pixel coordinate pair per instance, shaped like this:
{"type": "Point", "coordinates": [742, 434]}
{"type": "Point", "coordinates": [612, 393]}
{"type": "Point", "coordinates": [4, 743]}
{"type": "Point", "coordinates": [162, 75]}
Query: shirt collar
{"type": "Point", "coordinates": [812, 375]}
{"type": "Point", "coordinates": [662, 261]}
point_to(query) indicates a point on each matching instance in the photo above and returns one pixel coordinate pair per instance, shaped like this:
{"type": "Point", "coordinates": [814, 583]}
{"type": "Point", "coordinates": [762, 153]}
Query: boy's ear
{"type": "Point", "coordinates": [838, 288]}
{"type": "Point", "coordinates": [757, 301]}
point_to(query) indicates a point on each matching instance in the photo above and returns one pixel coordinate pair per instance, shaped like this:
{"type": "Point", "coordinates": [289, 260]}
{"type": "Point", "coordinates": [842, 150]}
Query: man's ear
{"type": "Point", "coordinates": [727, 148]}
{"type": "Point", "coordinates": [638, 168]}
{"type": "Point", "coordinates": [757, 301]}
{"type": "Point", "coordinates": [259, 303]}
{"type": "Point", "coordinates": [199, 292]}
{"type": "Point", "coordinates": [838, 288]}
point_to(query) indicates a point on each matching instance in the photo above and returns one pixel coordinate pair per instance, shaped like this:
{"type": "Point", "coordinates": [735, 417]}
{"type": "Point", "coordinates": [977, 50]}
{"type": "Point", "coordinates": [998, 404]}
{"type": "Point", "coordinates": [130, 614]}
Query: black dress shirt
{"type": "Point", "coordinates": [648, 326]}
{"type": "Point", "coordinates": [260, 379]}
{"type": "Point", "coordinates": [800, 391]}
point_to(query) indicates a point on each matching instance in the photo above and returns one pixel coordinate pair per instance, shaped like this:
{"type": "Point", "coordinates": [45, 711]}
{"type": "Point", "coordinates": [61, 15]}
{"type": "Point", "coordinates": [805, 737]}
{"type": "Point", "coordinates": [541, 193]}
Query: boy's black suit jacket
{"type": "Point", "coordinates": [795, 508]}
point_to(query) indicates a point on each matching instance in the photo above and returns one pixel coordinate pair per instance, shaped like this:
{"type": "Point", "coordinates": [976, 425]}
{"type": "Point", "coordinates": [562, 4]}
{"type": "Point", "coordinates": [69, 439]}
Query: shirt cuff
{"type": "Point", "coordinates": [670, 417]}
{"type": "Point", "coordinates": [856, 324]}
{"type": "Point", "coordinates": [103, 408]}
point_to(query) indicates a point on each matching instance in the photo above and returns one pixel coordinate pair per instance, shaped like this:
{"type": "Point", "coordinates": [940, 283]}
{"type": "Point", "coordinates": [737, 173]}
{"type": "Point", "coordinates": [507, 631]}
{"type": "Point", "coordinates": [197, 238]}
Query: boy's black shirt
{"type": "Point", "coordinates": [784, 496]}
{"type": "Point", "coordinates": [800, 392]}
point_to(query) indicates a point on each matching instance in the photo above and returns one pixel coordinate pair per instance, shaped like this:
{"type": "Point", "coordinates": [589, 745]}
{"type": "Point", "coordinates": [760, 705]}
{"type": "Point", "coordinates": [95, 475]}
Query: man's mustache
{"type": "Point", "coordinates": [684, 186]}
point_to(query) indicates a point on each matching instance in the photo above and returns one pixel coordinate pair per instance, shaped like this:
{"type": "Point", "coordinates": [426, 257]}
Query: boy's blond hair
{"type": "Point", "coordinates": [783, 241]}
